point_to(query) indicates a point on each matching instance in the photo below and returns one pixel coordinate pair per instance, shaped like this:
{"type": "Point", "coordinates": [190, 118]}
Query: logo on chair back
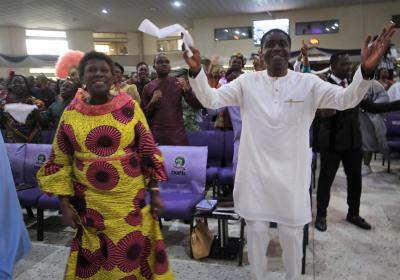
{"type": "Point", "coordinates": [179, 166]}
{"type": "Point", "coordinates": [41, 159]}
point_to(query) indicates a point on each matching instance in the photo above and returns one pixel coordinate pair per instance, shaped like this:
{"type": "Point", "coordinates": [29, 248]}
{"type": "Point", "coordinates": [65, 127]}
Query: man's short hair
{"type": "Point", "coordinates": [140, 64]}
{"type": "Point", "coordinates": [335, 58]}
{"type": "Point", "coordinates": [264, 37]}
{"type": "Point", "coordinates": [158, 55]}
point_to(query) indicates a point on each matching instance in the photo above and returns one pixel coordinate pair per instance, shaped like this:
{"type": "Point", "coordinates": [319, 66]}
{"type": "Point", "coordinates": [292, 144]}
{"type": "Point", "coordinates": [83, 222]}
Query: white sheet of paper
{"type": "Point", "coordinates": [19, 111]}
{"type": "Point", "coordinates": [150, 28]}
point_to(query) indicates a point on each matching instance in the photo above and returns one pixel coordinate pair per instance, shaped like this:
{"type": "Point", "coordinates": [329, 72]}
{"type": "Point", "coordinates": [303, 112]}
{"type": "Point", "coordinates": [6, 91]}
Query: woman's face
{"type": "Point", "coordinates": [18, 86]}
{"type": "Point", "coordinates": [98, 77]}
{"type": "Point", "coordinates": [73, 75]}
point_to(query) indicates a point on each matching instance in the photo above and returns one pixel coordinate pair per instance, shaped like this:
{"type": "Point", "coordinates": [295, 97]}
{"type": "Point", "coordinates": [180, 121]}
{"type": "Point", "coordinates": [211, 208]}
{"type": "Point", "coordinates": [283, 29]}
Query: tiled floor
{"type": "Point", "coordinates": [342, 252]}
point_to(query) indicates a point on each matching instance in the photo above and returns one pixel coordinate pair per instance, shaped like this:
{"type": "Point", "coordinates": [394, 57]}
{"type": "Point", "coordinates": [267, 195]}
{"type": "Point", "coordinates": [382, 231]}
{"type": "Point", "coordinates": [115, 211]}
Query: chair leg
{"type": "Point", "coordinates": [40, 224]}
{"type": "Point", "coordinates": [29, 212]}
{"type": "Point", "coordinates": [388, 169]}
{"type": "Point", "coordinates": [305, 242]}
{"type": "Point", "coordinates": [241, 242]}
{"type": "Point", "coordinates": [160, 222]}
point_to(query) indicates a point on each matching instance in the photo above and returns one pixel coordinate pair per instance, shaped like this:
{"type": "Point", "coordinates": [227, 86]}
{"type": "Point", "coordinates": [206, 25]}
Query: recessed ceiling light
{"type": "Point", "coordinates": [104, 11]}
{"type": "Point", "coordinates": [337, 25]}
{"type": "Point", "coordinates": [177, 4]}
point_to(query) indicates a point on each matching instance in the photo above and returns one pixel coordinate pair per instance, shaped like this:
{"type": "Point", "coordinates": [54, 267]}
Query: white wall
{"type": "Point", "coordinates": [355, 23]}
{"type": "Point", "coordinates": [12, 41]}
{"type": "Point", "coordinates": [81, 40]}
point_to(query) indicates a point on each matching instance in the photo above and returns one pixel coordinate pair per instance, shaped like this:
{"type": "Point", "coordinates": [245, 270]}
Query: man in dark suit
{"type": "Point", "coordinates": [339, 140]}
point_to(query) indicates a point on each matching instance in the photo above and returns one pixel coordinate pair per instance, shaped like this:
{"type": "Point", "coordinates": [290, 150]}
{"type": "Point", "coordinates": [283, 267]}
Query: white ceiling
{"type": "Point", "coordinates": [126, 15]}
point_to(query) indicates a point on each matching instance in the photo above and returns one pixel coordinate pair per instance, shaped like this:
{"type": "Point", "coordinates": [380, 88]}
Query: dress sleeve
{"type": "Point", "coordinates": [151, 157]}
{"type": "Point", "coordinates": [55, 176]}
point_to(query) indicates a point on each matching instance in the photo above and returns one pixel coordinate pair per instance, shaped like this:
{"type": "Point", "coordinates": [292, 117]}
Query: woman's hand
{"type": "Point", "coordinates": [69, 215]}
{"type": "Point", "coordinates": [156, 204]}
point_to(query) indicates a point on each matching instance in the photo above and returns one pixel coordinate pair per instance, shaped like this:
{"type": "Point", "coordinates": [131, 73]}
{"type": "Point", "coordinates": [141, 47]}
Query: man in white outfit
{"type": "Point", "coordinates": [277, 107]}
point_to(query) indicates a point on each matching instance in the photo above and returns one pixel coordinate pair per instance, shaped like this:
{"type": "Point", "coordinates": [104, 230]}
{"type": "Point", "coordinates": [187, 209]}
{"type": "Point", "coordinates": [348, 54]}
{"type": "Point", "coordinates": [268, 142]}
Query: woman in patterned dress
{"type": "Point", "coordinates": [17, 132]}
{"type": "Point", "coordinates": [103, 161]}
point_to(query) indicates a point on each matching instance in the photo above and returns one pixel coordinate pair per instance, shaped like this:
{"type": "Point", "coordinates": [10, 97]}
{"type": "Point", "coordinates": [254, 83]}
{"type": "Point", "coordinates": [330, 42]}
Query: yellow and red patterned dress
{"type": "Point", "coordinates": [103, 157]}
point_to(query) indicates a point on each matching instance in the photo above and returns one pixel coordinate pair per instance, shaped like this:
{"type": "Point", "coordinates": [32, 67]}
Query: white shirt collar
{"type": "Point", "coordinates": [338, 80]}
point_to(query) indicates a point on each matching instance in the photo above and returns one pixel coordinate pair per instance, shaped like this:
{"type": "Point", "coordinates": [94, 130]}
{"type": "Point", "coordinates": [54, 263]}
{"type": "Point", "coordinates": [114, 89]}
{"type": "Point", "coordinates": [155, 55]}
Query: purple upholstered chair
{"type": "Point", "coordinates": [186, 170]}
{"type": "Point", "coordinates": [16, 154]}
{"type": "Point", "coordinates": [393, 133]}
{"type": "Point", "coordinates": [36, 155]}
{"type": "Point", "coordinates": [214, 140]}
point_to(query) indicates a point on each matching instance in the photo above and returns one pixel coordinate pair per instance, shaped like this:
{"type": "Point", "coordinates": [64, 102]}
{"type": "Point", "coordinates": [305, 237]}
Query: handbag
{"type": "Point", "coordinates": [201, 240]}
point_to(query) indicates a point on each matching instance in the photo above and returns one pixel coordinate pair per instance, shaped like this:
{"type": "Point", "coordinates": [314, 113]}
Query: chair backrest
{"type": "Point", "coordinates": [16, 154]}
{"type": "Point", "coordinates": [36, 156]}
{"type": "Point", "coordinates": [186, 169]}
{"type": "Point", "coordinates": [393, 125]}
{"type": "Point", "coordinates": [47, 136]}
{"type": "Point", "coordinates": [214, 140]}
{"type": "Point", "coordinates": [228, 148]}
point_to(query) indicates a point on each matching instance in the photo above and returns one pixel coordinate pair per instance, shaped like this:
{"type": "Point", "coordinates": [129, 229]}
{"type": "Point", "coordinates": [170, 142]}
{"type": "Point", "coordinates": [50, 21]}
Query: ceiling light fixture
{"type": "Point", "coordinates": [337, 25]}
{"type": "Point", "coordinates": [237, 32]}
{"type": "Point", "coordinates": [104, 11]}
{"type": "Point", "coordinates": [177, 4]}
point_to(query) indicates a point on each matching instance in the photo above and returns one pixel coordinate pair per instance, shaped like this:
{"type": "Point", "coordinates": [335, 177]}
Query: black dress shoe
{"type": "Point", "coordinates": [358, 221]}
{"type": "Point", "coordinates": [320, 223]}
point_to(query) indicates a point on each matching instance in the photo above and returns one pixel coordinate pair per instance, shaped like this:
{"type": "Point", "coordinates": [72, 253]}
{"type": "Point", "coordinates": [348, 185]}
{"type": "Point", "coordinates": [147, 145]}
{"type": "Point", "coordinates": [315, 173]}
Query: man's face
{"type": "Point", "coordinates": [67, 90]}
{"type": "Point", "coordinates": [236, 64]}
{"type": "Point", "coordinates": [384, 74]}
{"type": "Point", "coordinates": [162, 65]}
{"type": "Point", "coordinates": [276, 51]}
{"type": "Point", "coordinates": [342, 69]}
{"type": "Point", "coordinates": [143, 72]}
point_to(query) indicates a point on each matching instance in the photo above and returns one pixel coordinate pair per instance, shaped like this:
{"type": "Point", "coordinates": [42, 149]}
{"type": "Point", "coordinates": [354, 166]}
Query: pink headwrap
{"type": "Point", "coordinates": [66, 61]}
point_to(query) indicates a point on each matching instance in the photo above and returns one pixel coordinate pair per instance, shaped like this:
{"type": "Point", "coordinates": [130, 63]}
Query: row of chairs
{"type": "Point", "coordinates": [220, 155]}
{"type": "Point", "coordinates": [183, 190]}
{"type": "Point", "coordinates": [392, 122]}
